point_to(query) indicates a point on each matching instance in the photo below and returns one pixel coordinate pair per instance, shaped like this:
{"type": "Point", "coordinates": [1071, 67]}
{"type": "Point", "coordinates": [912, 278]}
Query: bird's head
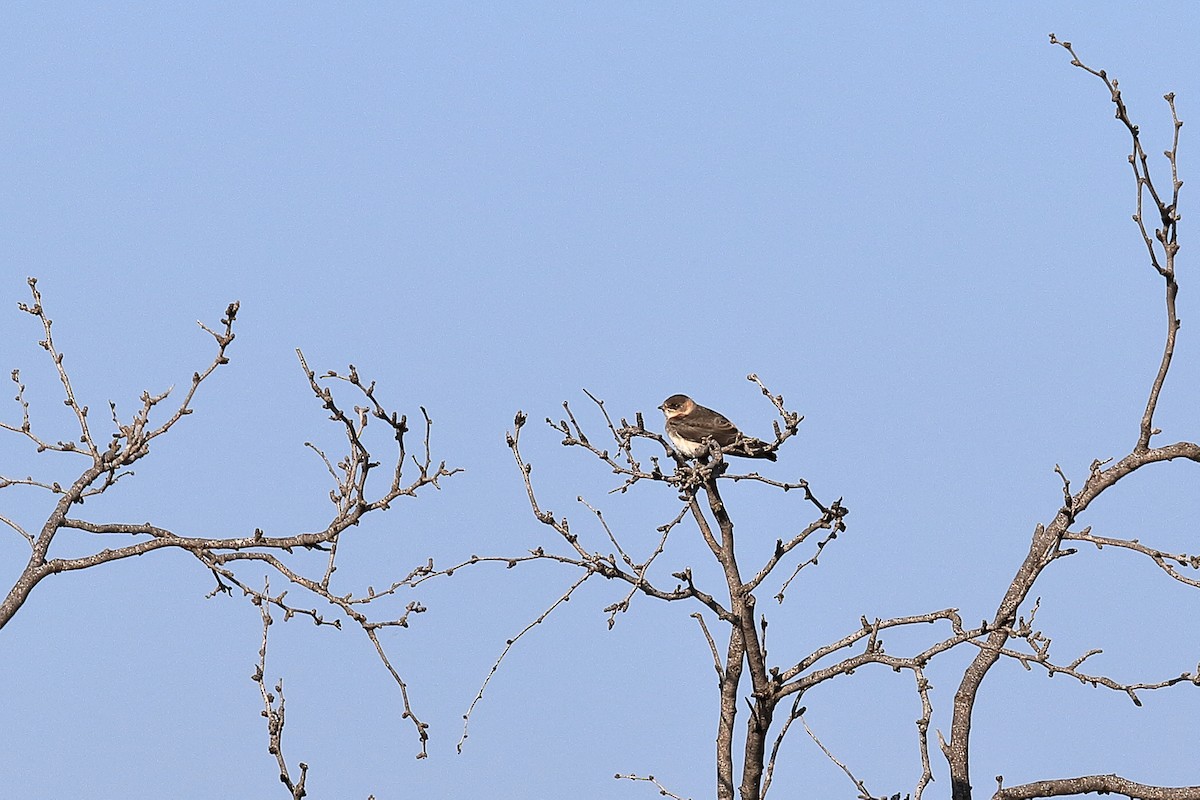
{"type": "Point", "coordinates": [677, 404]}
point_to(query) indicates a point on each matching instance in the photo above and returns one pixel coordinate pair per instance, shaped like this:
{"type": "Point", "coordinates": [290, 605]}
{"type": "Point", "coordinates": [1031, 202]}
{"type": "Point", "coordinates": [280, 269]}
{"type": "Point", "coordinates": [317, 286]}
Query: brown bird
{"type": "Point", "coordinates": [690, 426]}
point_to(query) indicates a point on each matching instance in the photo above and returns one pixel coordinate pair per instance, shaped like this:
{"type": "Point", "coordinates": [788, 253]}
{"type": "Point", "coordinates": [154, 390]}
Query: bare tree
{"type": "Point", "coordinates": [730, 617]}
{"type": "Point", "coordinates": [102, 460]}
{"type": "Point", "coordinates": [734, 623]}
{"type": "Point", "coordinates": [1157, 218]}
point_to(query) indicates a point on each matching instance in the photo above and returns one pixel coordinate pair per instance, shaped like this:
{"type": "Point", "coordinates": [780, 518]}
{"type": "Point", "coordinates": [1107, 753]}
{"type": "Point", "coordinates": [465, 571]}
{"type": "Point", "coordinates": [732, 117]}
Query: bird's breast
{"type": "Point", "coordinates": [686, 447]}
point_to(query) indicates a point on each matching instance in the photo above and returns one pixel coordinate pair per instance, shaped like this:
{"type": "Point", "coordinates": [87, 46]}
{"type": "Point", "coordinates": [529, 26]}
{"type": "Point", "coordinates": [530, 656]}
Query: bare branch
{"type": "Point", "coordinates": [712, 645]}
{"type": "Point", "coordinates": [25, 428]}
{"type": "Point", "coordinates": [508, 646]}
{"type": "Point", "coordinates": [1163, 560]}
{"type": "Point", "coordinates": [595, 562]}
{"type": "Point", "coordinates": [353, 496]}
{"type": "Point", "coordinates": [273, 711]}
{"type": "Point", "coordinates": [662, 790]}
{"type": "Point", "coordinates": [1164, 237]}
{"type": "Point", "coordinates": [1045, 545]}
{"type": "Point", "coordinates": [16, 527]}
{"type": "Point", "coordinates": [797, 711]}
{"type": "Point", "coordinates": [923, 723]}
{"type": "Point", "coordinates": [47, 344]}
{"type": "Point", "coordinates": [1099, 784]}
{"type": "Point", "coordinates": [421, 727]}
{"type": "Point", "coordinates": [791, 420]}
{"type": "Point", "coordinates": [1040, 644]}
{"type": "Point", "coordinates": [639, 569]}
{"type": "Point", "coordinates": [862, 789]}
{"type": "Point", "coordinates": [872, 629]}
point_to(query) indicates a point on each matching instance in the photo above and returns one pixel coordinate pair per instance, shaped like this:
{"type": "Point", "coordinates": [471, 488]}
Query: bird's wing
{"type": "Point", "coordinates": [704, 422]}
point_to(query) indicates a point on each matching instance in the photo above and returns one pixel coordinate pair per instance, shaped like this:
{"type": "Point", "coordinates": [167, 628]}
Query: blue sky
{"type": "Point", "coordinates": [914, 223]}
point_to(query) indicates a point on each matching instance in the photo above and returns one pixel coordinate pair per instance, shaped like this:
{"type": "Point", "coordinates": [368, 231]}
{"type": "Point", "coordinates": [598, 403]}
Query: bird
{"type": "Point", "coordinates": [690, 425]}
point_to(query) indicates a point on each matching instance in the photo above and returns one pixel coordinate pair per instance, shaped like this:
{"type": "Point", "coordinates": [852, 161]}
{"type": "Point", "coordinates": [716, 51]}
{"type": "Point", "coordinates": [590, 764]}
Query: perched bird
{"type": "Point", "coordinates": [689, 426]}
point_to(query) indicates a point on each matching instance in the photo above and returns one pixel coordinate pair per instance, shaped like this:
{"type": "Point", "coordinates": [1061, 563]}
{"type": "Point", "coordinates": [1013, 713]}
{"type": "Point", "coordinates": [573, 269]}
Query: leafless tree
{"type": "Point", "coordinates": [730, 618]}
{"type": "Point", "coordinates": [734, 623]}
{"type": "Point", "coordinates": [1157, 218]}
{"type": "Point", "coordinates": [99, 461]}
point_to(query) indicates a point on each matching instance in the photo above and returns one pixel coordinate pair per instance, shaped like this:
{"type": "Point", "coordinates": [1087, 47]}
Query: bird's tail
{"type": "Point", "coordinates": [749, 447]}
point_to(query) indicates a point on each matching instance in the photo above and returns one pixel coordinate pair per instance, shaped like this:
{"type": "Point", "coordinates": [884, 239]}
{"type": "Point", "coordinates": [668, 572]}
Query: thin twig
{"type": "Point", "coordinates": [274, 712]}
{"type": "Point", "coordinates": [662, 790]}
{"type": "Point", "coordinates": [508, 646]}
